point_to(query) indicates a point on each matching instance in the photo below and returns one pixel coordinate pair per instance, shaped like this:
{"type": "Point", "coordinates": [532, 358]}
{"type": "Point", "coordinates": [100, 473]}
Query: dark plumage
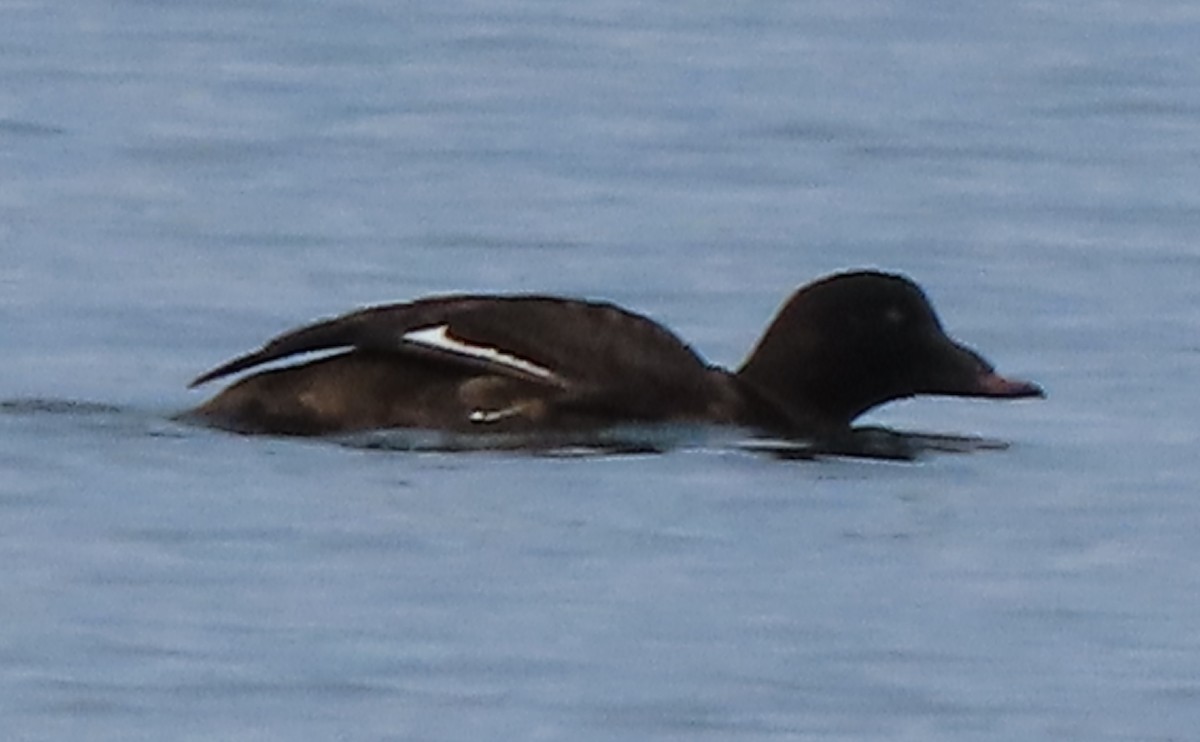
{"type": "Point", "coordinates": [839, 346]}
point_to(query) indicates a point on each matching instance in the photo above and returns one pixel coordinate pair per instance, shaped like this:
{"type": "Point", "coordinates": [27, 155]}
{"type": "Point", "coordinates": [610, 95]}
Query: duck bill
{"type": "Point", "coordinates": [992, 384]}
{"type": "Point", "coordinates": [967, 374]}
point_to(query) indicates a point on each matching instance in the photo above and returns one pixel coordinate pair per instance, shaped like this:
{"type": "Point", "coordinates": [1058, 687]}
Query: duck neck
{"type": "Point", "coordinates": [818, 390]}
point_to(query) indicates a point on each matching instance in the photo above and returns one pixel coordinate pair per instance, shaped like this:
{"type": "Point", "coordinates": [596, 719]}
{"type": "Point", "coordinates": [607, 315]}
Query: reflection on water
{"type": "Point", "coordinates": [871, 442]}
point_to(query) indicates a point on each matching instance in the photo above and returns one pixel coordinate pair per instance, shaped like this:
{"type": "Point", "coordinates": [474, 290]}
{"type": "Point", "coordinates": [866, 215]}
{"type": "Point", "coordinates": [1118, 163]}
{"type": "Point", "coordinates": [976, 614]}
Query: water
{"type": "Point", "coordinates": [182, 181]}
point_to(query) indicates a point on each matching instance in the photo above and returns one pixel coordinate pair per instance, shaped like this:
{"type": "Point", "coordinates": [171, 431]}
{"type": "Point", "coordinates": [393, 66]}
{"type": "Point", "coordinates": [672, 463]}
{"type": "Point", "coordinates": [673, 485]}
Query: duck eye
{"type": "Point", "coordinates": [893, 316]}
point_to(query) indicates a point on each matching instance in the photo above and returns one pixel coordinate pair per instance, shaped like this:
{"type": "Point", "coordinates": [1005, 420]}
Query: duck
{"type": "Point", "coordinates": [523, 364]}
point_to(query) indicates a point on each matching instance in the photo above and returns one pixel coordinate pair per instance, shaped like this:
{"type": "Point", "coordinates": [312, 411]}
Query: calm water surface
{"type": "Point", "coordinates": [182, 181]}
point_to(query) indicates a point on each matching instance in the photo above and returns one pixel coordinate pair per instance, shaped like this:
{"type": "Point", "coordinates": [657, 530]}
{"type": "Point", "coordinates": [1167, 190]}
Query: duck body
{"type": "Point", "coordinates": [528, 364]}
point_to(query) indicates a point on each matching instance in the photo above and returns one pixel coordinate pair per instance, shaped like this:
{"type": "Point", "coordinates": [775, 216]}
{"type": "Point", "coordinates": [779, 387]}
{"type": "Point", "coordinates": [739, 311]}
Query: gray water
{"type": "Point", "coordinates": [180, 181]}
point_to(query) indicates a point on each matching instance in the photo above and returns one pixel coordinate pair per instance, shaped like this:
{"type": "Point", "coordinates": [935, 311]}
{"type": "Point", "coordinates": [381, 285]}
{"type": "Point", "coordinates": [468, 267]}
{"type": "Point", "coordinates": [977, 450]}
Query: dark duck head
{"type": "Point", "coordinates": [852, 341]}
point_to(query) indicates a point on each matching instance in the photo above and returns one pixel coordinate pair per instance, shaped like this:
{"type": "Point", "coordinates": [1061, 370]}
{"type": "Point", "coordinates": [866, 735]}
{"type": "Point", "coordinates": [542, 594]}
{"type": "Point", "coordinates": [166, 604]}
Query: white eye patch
{"type": "Point", "coordinates": [438, 337]}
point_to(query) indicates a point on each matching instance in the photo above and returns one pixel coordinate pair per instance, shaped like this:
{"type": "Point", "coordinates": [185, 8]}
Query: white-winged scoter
{"type": "Point", "coordinates": [525, 364]}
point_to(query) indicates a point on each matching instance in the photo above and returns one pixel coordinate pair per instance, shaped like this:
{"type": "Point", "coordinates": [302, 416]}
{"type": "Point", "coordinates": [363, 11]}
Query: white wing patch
{"type": "Point", "coordinates": [438, 337]}
{"type": "Point", "coordinates": [491, 416]}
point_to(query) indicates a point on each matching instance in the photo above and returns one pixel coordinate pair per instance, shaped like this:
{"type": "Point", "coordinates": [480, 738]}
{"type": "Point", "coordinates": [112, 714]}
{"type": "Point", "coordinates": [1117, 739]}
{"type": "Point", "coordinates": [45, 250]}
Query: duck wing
{"type": "Point", "coordinates": [550, 341]}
